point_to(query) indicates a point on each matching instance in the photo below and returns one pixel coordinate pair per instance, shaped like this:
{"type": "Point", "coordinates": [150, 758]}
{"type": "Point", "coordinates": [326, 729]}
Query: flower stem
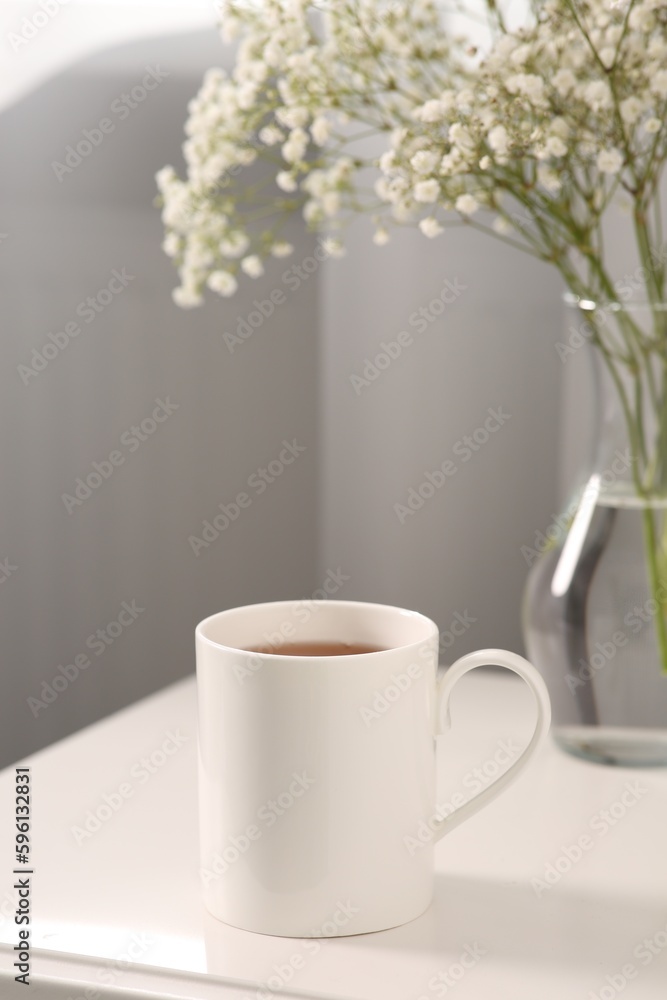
{"type": "Point", "coordinates": [658, 588]}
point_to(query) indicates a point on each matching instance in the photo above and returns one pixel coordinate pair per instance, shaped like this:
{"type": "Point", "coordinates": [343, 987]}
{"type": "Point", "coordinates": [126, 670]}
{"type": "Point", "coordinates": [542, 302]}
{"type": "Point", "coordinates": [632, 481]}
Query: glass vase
{"type": "Point", "coordinates": [595, 604]}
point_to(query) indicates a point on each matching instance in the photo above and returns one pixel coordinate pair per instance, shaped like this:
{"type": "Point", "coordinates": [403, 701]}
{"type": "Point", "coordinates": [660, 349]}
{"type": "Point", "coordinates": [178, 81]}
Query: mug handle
{"type": "Point", "coordinates": [528, 673]}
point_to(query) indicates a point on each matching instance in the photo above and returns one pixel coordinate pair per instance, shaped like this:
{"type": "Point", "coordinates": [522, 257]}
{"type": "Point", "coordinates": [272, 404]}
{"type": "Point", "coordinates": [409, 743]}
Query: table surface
{"type": "Point", "coordinates": [559, 888]}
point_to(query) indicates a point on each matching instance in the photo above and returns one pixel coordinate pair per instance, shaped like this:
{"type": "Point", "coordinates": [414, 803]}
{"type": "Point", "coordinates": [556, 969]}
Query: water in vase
{"type": "Point", "coordinates": [590, 625]}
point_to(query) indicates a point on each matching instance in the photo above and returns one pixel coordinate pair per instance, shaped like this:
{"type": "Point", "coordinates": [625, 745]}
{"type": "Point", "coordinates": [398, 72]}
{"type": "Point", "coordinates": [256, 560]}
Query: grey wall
{"type": "Point", "coordinates": [129, 539]}
{"type": "Point", "coordinates": [493, 346]}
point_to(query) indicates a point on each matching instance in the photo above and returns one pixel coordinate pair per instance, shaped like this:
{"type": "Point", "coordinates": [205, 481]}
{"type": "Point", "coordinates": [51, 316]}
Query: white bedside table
{"type": "Point", "coordinates": [116, 909]}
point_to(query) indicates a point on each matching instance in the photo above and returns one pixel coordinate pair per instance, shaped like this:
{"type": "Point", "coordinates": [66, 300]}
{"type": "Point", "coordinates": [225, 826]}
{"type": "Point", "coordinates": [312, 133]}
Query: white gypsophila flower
{"type": "Point", "coordinates": [608, 56]}
{"type": "Point", "coordinates": [271, 135]}
{"type": "Point", "coordinates": [176, 211]}
{"type": "Point", "coordinates": [312, 212]}
{"type": "Point", "coordinates": [464, 99]}
{"type": "Point", "coordinates": [460, 136]}
{"type": "Point", "coordinates": [286, 181]}
{"type": "Point", "coordinates": [631, 109]}
{"type": "Point", "coordinates": [430, 227]}
{"type": "Point", "coordinates": [657, 47]}
{"type": "Point", "coordinates": [467, 204]}
{"type": "Point", "coordinates": [382, 188]}
{"type": "Point", "coordinates": [252, 266]}
{"type": "Point", "coordinates": [387, 161]}
{"type": "Point", "coordinates": [430, 112]}
{"type": "Point", "coordinates": [521, 55]}
{"type": "Point", "coordinates": [281, 249]}
{"type": "Point", "coordinates": [641, 18]}
{"type": "Point", "coordinates": [333, 247]}
{"type": "Point", "coordinates": [331, 202]}
{"type": "Point", "coordinates": [498, 139]}
{"type": "Point", "coordinates": [529, 85]}
{"type": "Point", "coordinates": [609, 161]}
{"type": "Point", "coordinates": [380, 237]}
{"type": "Point", "coordinates": [171, 244]}
{"type": "Point", "coordinates": [198, 256]}
{"type": "Point", "coordinates": [555, 146]}
{"type": "Point", "coordinates": [659, 83]}
{"type": "Point", "coordinates": [426, 191]}
{"type": "Point", "coordinates": [597, 95]}
{"type": "Point", "coordinates": [293, 117]}
{"type": "Point", "coordinates": [502, 225]}
{"type": "Point", "coordinates": [230, 23]}
{"type": "Point", "coordinates": [165, 178]}
{"type": "Point", "coordinates": [222, 282]}
{"type": "Point", "coordinates": [397, 137]}
{"type": "Point", "coordinates": [424, 161]}
{"type": "Point", "coordinates": [448, 100]}
{"type": "Point", "coordinates": [341, 169]}
{"type": "Point", "coordinates": [487, 117]}
{"type": "Point", "coordinates": [316, 183]}
{"type": "Point", "coordinates": [320, 130]}
{"type": "Point", "coordinates": [293, 150]}
{"type": "Point", "coordinates": [234, 244]}
{"type": "Point", "coordinates": [186, 297]}
{"type": "Point", "coordinates": [456, 107]}
{"type": "Point", "coordinates": [564, 80]}
{"type": "Point", "coordinates": [549, 179]}
{"type": "Point", "coordinates": [246, 95]}
{"type": "Point", "coordinates": [559, 126]}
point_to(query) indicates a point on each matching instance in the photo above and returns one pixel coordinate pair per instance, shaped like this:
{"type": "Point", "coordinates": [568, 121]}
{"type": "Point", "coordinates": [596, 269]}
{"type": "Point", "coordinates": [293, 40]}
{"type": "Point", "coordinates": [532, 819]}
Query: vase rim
{"type": "Point", "coordinates": [590, 305]}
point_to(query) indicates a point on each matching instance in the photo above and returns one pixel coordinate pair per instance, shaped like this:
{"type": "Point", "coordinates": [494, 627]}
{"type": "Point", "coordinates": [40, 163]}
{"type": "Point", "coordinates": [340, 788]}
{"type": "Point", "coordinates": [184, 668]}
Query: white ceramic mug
{"type": "Point", "coordinates": [316, 771]}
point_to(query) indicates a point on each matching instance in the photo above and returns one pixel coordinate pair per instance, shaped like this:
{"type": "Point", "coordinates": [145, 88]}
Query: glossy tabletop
{"type": "Point", "coordinates": [556, 891]}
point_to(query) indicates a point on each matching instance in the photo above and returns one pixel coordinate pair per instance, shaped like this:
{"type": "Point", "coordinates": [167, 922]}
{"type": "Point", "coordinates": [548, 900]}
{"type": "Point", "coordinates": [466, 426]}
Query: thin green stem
{"type": "Point", "coordinates": [658, 583]}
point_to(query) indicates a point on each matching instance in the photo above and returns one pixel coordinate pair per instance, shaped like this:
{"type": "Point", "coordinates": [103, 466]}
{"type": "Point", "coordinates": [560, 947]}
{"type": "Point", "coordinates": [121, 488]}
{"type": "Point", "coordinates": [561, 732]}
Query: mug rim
{"type": "Point", "coordinates": [266, 605]}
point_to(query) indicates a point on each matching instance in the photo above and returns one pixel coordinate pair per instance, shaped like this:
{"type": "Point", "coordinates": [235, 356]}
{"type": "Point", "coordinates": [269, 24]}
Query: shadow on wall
{"type": "Point", "coordinates": [131, 421]}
